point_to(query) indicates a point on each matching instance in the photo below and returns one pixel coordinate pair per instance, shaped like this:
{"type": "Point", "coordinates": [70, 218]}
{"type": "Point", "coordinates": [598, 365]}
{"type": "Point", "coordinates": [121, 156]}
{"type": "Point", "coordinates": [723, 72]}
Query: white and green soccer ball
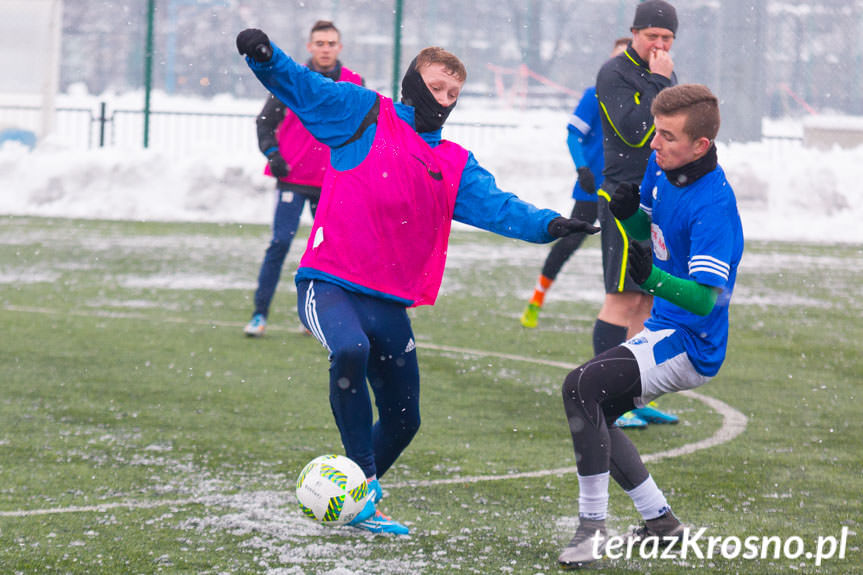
{"type": "Point", "coordinates": [332, 489]}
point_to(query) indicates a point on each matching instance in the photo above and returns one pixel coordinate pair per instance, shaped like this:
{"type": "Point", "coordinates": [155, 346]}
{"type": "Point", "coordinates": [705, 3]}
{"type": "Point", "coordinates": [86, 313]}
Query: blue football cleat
{"type": "Point", "coordinates": [367, 512]}
{"type": "Point", "coordinates": [629, 419]}
{"type": "Point", "coordinates": [379, 523]}
{"type": "Point", "coordinates": [375, 487]}
{"type": "Point", "coordinates": [651, 414]}
{"type": "Point", "coordinates": [256, 327]}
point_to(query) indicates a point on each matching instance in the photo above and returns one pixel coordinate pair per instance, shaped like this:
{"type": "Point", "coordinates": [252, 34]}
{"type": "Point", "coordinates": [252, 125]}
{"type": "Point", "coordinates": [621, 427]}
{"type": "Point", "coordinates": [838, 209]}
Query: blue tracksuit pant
{"type": "Point", "coordinates": [371, 345]}
{"type": "Point", "coordinates": [289, 208]}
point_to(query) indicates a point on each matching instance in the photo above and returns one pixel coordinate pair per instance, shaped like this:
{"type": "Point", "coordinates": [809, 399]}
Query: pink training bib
{"type": "Point", "coordinates": [384, 225]}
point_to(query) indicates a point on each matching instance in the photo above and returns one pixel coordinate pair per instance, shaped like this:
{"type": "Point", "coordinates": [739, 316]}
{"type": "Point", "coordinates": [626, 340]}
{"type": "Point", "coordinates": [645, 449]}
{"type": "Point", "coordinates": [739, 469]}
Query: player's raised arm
{"type": "Point", "coordinates": [331, 111]}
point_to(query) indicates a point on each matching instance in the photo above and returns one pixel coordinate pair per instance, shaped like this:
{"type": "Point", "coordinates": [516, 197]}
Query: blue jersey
{"type": "Point", "coordinates": [696, 234]}
{"type": "Point", "coordinates": [585, 132]}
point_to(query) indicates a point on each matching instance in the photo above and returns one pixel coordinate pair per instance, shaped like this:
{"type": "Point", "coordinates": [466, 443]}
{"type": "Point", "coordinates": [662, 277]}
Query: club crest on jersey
{"type": "Point", "coordinates": [660, 250]}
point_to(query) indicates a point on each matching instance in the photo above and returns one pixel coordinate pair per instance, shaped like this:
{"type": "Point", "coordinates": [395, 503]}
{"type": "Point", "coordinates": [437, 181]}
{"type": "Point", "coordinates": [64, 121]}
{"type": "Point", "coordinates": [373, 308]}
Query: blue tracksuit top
{"type": "Point", "coordinates": [333, 111]}
{"type": "Point", "coordinates": [584, 139]}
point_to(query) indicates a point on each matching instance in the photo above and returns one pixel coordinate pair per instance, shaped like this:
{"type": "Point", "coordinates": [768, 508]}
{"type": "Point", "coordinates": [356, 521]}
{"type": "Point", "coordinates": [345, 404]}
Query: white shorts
{"type": "Point", "coordinates": [663, 364]}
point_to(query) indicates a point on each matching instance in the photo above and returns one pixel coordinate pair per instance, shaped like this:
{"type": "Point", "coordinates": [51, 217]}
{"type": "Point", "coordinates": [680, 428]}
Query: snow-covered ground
{"type": "Point", "coordinates": [785, 191]}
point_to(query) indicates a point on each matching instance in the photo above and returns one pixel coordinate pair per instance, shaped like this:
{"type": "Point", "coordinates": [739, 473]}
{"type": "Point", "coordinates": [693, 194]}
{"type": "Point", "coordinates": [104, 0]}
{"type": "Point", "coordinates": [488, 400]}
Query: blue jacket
{"type": "Point", "coordinates": [584, 138]}
{"type": "Point", "coordinates": [334, 111]}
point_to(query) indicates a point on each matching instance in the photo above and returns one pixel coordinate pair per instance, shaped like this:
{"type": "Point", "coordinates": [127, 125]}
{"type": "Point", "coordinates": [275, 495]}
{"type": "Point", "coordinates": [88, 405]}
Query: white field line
{"type": "Point", "coordinates": [100, 508]}
{"type": "Point", "coordinates": [109, 314]}
{"type": "Point", "coordinates": [733, 424]}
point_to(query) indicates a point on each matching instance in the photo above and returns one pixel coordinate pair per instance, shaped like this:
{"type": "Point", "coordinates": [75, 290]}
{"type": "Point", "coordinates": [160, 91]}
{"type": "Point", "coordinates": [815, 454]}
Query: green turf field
{"type": "Point", "coordinates": [141, 432]}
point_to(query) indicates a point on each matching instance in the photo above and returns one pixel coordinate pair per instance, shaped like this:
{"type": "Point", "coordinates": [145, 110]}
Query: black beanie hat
{"type": "Point", "coordinates": [655, 14]}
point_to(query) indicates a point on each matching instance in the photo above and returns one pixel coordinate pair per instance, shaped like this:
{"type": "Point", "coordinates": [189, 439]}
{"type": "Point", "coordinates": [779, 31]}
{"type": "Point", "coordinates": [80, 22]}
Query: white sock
{"type": "Point", "coordinates": [648, 499]}
{"type": "Point", "coordinates": [593, 496]}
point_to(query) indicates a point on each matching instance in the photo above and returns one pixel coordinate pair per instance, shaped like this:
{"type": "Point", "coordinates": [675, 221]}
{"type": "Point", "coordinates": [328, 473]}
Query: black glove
{"type": "Point", "coordinates": [278, 165]}
{"type": "Point", "coordinates": [624, 201]}
{"type": "Point", "coordinates": [560, 227]}
{"type": "Point", "coordinates": [640, 262]}
{"type": "Point", "coordinates": [586, 179]}
{"type": "Point", "coordinates": [255, 44]}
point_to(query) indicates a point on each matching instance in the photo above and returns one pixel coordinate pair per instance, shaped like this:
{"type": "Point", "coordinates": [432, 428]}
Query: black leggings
{"type": "Point", "coordinates": [594, 396]}
{"type": "Point", "coordinates": [566, 246]}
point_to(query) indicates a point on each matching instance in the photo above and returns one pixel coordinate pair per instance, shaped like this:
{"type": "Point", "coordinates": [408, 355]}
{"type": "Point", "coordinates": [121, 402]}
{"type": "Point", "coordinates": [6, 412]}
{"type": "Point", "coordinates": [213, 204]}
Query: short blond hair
{"type": "Point", "coordinates": [437, 55]}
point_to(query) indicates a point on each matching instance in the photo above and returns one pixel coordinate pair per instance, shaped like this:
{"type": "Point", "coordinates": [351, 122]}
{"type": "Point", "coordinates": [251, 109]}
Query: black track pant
{"type": "Point", "coordinates": [566, 246]}
{"type": "Point", "coordinates": [594, 396]}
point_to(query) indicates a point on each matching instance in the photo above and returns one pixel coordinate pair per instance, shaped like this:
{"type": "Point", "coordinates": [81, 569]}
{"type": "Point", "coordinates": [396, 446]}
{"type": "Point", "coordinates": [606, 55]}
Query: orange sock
{"type": "Point", "coordinates": [542, 285]}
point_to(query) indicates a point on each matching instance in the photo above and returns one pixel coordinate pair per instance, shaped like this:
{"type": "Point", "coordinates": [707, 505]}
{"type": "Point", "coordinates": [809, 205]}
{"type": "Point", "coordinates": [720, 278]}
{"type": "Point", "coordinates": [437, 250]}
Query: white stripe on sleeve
{"type": "Point", "coordinates": [709, 264]}
{"type": "Point", "coordinates": [579, 124]}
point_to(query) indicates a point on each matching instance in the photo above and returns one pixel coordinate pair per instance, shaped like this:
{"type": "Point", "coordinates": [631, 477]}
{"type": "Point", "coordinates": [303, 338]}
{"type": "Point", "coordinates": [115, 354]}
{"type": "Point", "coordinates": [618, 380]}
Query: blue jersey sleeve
{"type": "Point", "coordinates": [585, 140]}
{"type": "Point", "coordinates": [586, 114]}
{"type": "Point", "coordinates": [330, 111]}
{"type": "Point", "coordinates": [648, 182]}
{"type": "Point", "coordinates": [713, 240]}
{"type": "Point", "coordinates": [574, 141]}
{"type": "Point", "coordinates": [480, 203]}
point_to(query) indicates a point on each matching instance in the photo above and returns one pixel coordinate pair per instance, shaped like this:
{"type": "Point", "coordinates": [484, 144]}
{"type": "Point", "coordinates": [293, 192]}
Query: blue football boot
{"type": "Point", "coordinates": [375, 488]}
{"type": "Point", "coordinates": [651, 414]}
{"type": "Point", "coordinates": [371, 519]}
{"type": "Point", "coordinates": [257, 326]}
{"type": "Point", "coordinates": [629, 419]}
{"type": "Point", "coordinates": [379, 523]}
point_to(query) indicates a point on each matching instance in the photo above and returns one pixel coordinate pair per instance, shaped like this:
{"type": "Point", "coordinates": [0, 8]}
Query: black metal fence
{"type": "Point", "coordinates": [73, 126]}
{"type": "Point", "coordinates": [181, 132]}
{"type": "Point", "coordinates": [184, 132]}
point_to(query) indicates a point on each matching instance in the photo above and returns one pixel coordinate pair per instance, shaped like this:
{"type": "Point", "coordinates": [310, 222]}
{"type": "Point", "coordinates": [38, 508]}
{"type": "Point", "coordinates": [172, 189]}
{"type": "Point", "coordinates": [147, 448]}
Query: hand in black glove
{"type": "Point", "coordinates": [586, 179]}
{"type": "Point", "coordinates": [278, 166]}
{"type": "Point", "coordinates": [640, 262]}
{"type": "Point", "coordinates": [560, 227]}
{"type": "Point", "coordinates": [255, 44]}
{"type": "Point", "coordinates": [624, 201]}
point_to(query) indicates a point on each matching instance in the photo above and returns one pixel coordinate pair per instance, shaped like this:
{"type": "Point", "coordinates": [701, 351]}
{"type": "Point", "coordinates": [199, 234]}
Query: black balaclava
{"type": "Point", "coordinates": [429, 115]}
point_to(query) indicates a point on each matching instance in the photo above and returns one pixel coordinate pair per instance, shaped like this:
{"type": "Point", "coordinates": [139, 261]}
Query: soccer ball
{"type": "Point", "coordinates": [332, 489]}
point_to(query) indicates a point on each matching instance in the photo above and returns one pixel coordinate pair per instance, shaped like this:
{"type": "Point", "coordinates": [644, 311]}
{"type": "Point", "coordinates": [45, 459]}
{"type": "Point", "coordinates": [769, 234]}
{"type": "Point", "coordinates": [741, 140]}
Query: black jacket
{"type": "Point", "coordinates": [626, 89]}
{"type": "Point", "coordinates": [268, 121]}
